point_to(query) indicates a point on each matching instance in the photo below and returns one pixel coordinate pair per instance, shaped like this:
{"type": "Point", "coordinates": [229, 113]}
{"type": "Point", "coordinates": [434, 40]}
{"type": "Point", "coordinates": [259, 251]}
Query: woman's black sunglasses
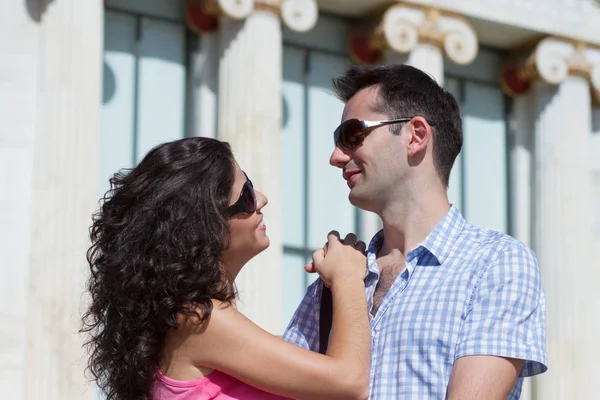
{"type": "Point", "coordinates": [351, 133]}
{"type": "Point", "coordinates": [247, 201]}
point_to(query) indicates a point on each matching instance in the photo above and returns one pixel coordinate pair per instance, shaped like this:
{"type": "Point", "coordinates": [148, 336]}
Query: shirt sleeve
{"type": "Point", "coordinates": [303, 329]}
{"type": "Point", "coordinates": [506, 314]}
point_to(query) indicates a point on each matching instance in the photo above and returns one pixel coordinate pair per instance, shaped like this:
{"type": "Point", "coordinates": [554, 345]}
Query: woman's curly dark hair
{"type": "Point", "coordinates": [156, 246]}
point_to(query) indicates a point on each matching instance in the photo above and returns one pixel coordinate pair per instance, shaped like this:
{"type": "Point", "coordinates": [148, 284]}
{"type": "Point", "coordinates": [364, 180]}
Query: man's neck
{"type": "Point", "coordinates": [406, 224]}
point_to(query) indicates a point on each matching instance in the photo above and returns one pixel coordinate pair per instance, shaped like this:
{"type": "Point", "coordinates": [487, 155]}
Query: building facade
{"type": "Point", "coordinates": [88, 87]}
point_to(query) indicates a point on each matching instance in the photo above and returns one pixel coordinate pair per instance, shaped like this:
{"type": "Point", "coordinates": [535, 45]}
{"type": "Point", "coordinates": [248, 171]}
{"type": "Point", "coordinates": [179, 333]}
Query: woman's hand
{"type": "Point", "coordinates": [339, 259]}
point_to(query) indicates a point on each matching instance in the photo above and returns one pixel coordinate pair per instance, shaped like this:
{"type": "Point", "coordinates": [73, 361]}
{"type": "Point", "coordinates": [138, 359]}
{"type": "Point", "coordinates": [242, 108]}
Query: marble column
{"type": "Point", "coordinates": [19, 69]}
{"type": "Point", "coordinates": [561, 77]}
{"type": "Point", "coordinates": [595, 159]}
{"type": "Point", "coordinates": [416, 35]}
{"type": "Point", "coordinates": [205, 82]}
{"type": "Point", "coordinates": [521, 167]}
{"type": "Point", "coordinates": [65, 193]}
{"type": "Point", "coordinates": [563, 237]}
{"type": "Point", "coordinates": [249, 118]}
{"type": "Point", "coordinates": [427, 57]}
{"type": "Point", "coordinates": [521, 177]}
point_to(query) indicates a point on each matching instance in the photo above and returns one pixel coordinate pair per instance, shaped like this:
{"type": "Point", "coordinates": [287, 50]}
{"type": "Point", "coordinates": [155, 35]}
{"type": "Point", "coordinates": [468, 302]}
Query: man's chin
{"type": "Point", "coordinates": [356, 199]}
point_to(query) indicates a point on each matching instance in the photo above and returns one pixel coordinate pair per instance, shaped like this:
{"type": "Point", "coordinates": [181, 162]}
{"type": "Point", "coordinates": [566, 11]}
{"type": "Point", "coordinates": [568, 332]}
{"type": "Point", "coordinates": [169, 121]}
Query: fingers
{"type": "Point", "coordinates": [361, 246]}
{"type": "Point", "coordinates": [331, 236]}
{"type": "Point", "coordinates": [350, 239]}
{"type": "Point", "coordinates": [338, 258]}
{"type": "Point", "coordinates": [318, 257]}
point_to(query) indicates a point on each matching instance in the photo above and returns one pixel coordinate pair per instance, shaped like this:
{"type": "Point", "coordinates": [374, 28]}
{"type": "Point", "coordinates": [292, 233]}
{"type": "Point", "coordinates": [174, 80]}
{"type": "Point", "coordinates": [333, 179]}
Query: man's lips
{"type": "Point", "coordinates": [348, 174]}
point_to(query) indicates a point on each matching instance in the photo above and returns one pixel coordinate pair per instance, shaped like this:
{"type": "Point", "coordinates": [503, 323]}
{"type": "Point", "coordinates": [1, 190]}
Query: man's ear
{"type": "Point", "coordinates": [420, 137]}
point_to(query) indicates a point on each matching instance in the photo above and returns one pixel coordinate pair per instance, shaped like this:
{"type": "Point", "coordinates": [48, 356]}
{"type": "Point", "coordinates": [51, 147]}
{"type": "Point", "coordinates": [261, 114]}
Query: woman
{"type": "Point", "coordinates": [169, 240]}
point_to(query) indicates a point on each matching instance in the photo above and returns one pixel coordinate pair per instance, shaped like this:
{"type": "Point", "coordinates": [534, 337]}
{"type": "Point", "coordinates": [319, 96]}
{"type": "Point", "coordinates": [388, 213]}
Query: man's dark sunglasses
{"type": "Point", "coordinates": [351, 133]}
{"type": "Point", "coordinates": [247, 201]}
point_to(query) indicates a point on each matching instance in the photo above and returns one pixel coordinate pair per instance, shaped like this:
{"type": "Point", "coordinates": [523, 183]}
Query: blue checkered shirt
{"type": "Point", "coordinates": [465, 291]}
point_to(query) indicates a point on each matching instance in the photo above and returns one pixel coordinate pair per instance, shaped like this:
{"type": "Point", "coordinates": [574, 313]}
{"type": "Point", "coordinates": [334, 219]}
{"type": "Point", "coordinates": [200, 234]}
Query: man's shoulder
{"type": "Point", "coordinates": [490, 247]}
{"type": "Point", "coordinates": [489, 239]}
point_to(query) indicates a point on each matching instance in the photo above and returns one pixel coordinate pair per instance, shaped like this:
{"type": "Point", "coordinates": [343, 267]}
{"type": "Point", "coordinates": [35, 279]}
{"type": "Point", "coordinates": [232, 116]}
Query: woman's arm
{"type": "Point", "coordinates": [233, 344]}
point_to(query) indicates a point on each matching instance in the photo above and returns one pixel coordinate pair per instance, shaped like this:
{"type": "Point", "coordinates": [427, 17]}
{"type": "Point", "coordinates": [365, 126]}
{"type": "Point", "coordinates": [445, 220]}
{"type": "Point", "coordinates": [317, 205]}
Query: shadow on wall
{"type": "Point", "coordinates": [285, 112]}
{"type": "Point", "coordinates": [110, 83]}
{"type": "Point", "coordinates": [139, 40]}
{"type": "Point", "coordinates": [36, 8]}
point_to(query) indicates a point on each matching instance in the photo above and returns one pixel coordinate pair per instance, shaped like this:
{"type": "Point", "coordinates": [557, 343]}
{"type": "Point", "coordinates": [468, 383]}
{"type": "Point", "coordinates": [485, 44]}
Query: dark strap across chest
{"type": "Point", "coordinates": [325, 319]}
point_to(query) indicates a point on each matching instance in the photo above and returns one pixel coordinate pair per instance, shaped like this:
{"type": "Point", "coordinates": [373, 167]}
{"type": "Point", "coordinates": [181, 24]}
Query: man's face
{"type": "Point", "coordinates": [374, 170]}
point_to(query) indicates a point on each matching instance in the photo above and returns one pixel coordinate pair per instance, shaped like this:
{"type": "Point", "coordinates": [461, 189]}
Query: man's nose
{"type": "Point", "coordinates": [339, 158]}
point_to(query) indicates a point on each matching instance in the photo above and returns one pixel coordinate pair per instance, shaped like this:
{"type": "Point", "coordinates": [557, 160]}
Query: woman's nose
{"type": "Point", "coordinates": [261, 200]}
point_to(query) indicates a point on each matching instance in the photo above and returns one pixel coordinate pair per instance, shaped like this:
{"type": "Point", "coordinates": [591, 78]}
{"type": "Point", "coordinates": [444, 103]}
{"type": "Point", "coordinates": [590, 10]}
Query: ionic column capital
{"type": "Point", "coordinates": [203, 15]}
{"type": "Point", "coordinates": [551, 60]}
{"type": "Point", "coordinates": [403, 26]}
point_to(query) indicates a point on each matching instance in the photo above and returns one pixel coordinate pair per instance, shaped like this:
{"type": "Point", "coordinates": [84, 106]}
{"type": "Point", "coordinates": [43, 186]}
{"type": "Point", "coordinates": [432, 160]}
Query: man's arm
{"type": "Point", "coordinates": [503, 335]}
{"type": "Point", "coordinates": [483, 377]}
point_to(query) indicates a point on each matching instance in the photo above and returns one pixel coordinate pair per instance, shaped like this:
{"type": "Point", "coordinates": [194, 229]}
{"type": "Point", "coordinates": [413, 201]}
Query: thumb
{"type": "Point", "coordinates": [310, 268]}
{"type": "Point", "coordinates": [318, 256]}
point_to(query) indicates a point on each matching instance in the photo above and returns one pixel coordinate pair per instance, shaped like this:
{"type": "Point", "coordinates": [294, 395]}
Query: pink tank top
{"type": "Point", "coordinates": [217, 385]}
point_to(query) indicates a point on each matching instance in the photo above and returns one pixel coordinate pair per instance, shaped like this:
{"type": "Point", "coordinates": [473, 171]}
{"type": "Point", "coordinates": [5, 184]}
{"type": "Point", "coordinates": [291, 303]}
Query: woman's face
{"type": "Point", "coordinates": [248, 232]}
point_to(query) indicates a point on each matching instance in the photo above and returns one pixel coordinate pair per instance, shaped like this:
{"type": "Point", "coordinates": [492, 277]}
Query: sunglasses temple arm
{"type": "Point", "coordinates": [372, 124]}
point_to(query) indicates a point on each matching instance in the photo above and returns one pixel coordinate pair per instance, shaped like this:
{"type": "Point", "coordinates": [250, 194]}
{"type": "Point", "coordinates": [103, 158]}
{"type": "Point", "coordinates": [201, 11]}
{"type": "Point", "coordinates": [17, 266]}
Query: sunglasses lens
{"type": "Point", "coordinates": [349, 134]}
{"type": "Point", "coordinates": [249, 198]}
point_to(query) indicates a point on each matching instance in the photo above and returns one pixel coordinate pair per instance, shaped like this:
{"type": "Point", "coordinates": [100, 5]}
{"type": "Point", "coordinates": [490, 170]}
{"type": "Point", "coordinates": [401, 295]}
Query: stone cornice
{"type": "Point", "coordinates": [203, 15]}
{"type": "Point", "coordinates": [551, 60]}
{"type": "Point", "coordinates": [577, 19]}
{"type": "Point", "coordinates": [403, 26]}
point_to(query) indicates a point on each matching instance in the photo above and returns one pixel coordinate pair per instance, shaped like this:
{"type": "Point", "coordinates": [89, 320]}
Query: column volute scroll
{"type": "Point", "coordinates": [203, 15]}
{"type": "Point", "coordinates": [551, 60]}
{"type": "Point", "coordinates": [402, 27]}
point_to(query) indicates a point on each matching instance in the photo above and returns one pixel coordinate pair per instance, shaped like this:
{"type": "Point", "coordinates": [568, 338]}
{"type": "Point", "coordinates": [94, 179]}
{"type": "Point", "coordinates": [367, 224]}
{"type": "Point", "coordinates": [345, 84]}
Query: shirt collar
{"type": "Point", "coordinates": [372, 251]}
{"type": "Point", "coordinates": [441, 240]}
{"type": "Point", "coordinates": [438, 243]}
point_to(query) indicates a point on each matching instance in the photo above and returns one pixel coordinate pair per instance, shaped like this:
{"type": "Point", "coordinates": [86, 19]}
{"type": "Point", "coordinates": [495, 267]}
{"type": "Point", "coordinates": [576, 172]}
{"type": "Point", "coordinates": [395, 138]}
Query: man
{"type": "Point", "coordinates": [457, 312]}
